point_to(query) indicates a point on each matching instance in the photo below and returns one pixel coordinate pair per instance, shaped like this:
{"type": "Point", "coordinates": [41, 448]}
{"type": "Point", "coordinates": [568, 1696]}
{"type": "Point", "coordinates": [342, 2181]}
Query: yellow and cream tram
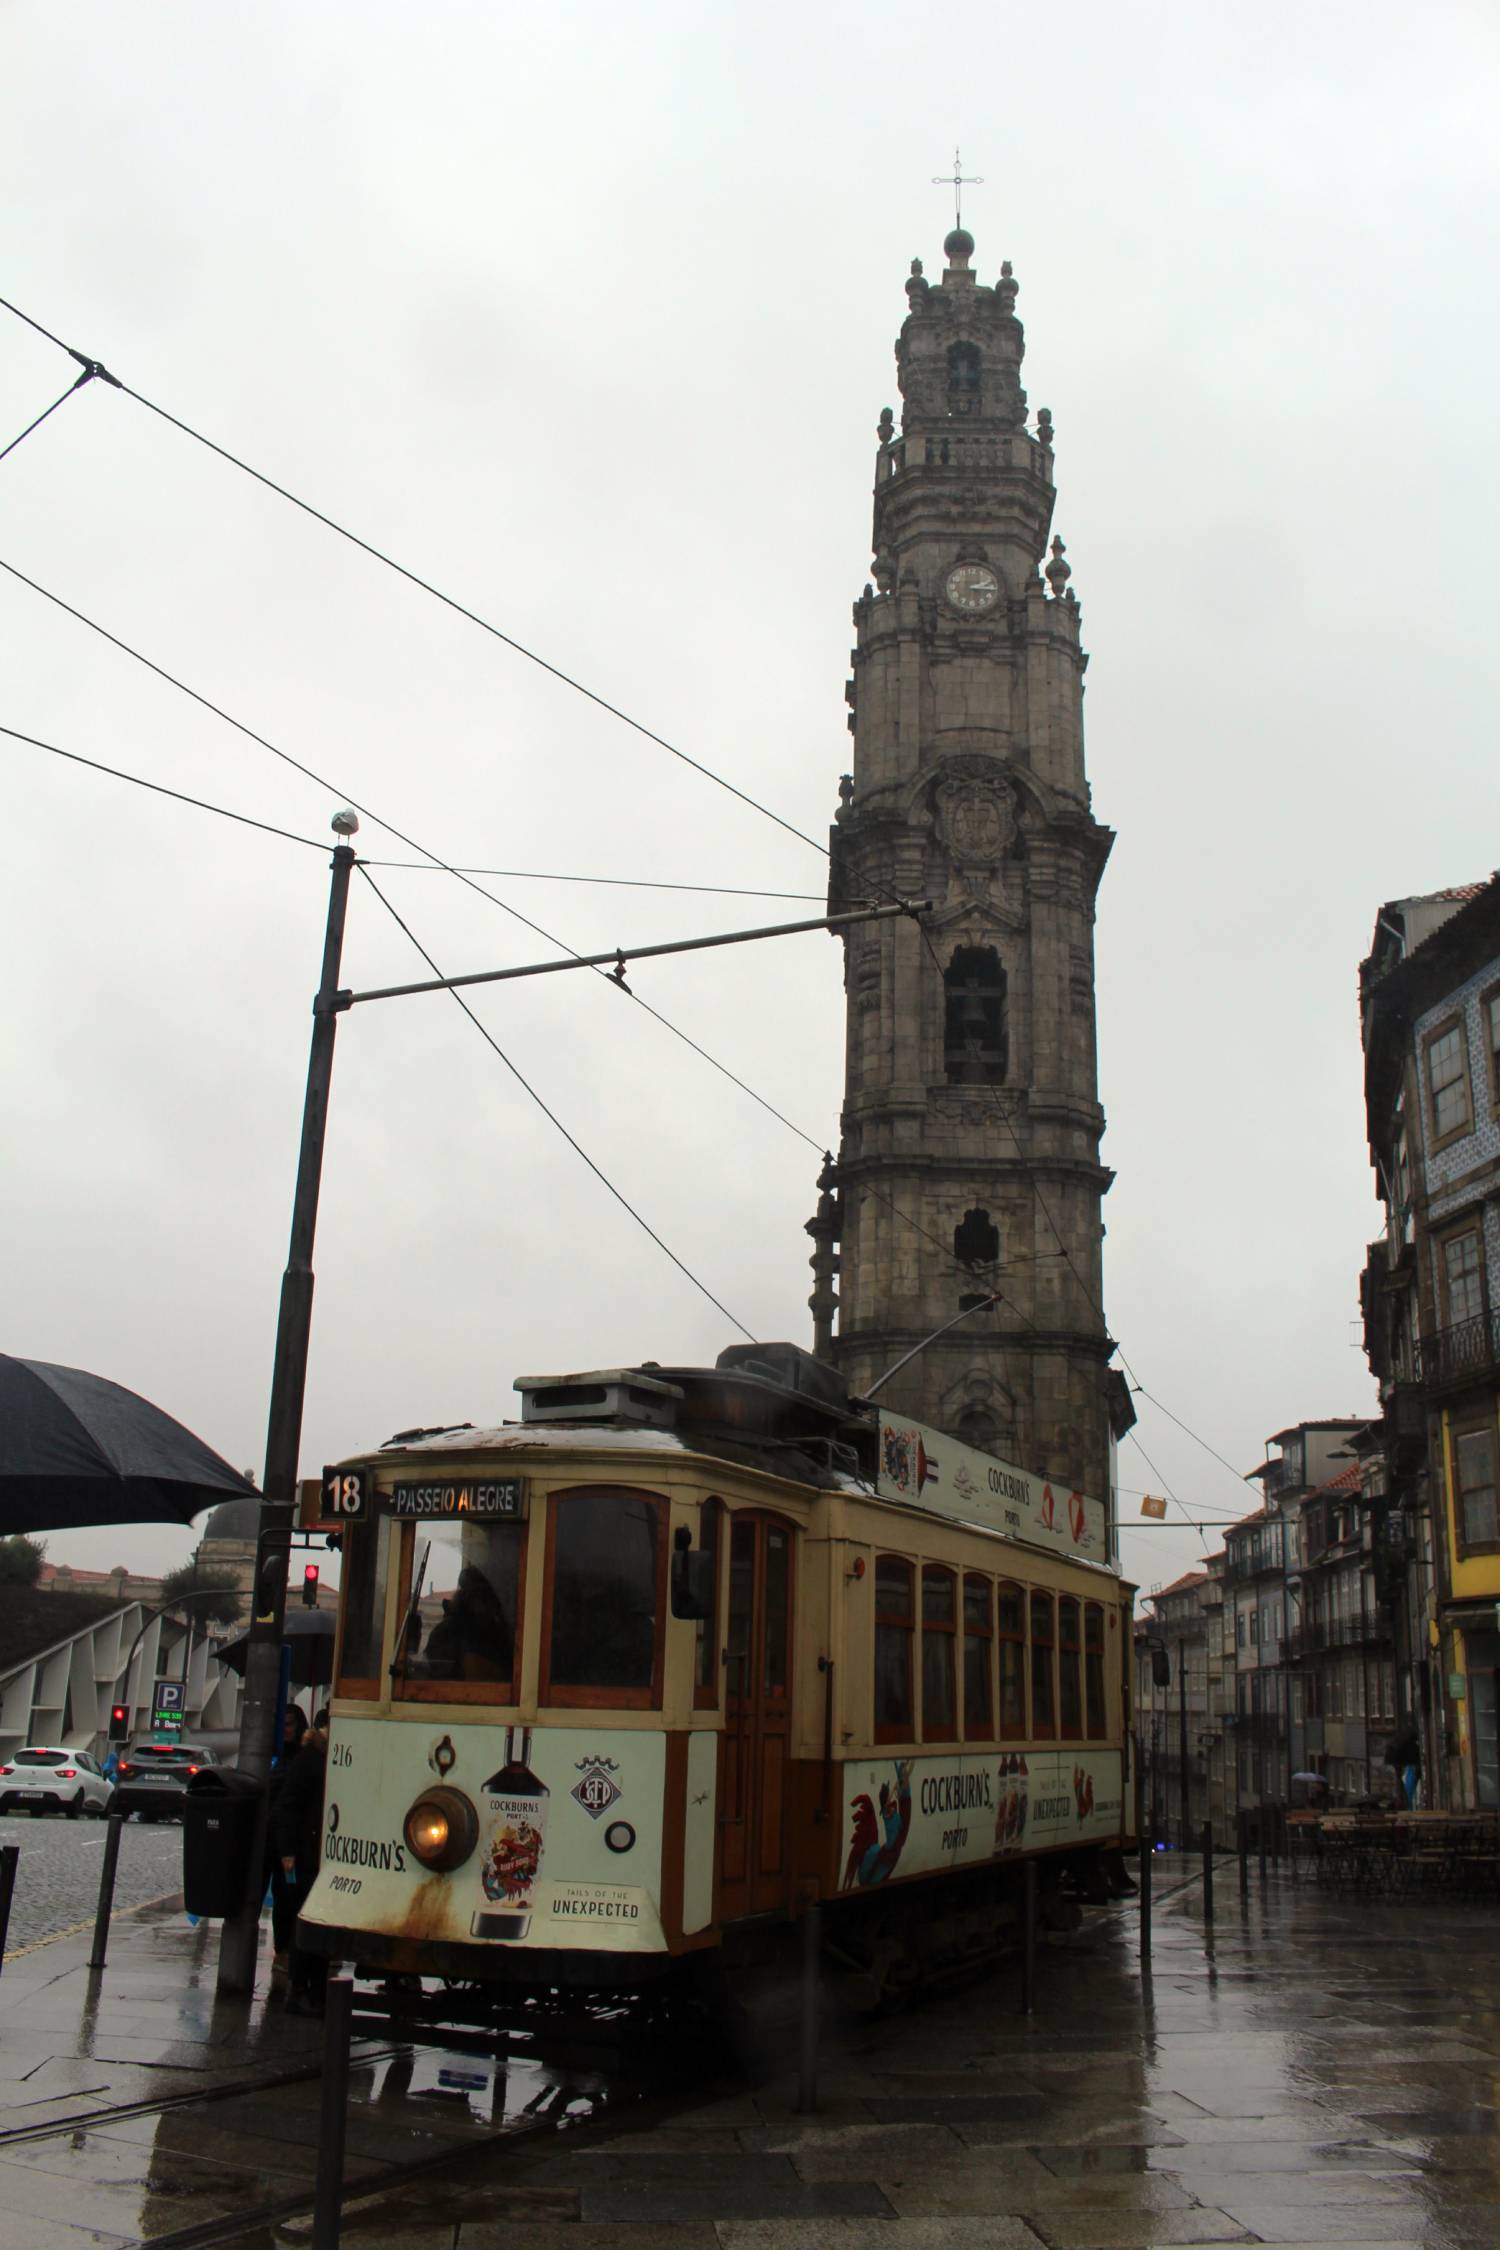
{"type": "Point", "coordinates": [684, 1649]}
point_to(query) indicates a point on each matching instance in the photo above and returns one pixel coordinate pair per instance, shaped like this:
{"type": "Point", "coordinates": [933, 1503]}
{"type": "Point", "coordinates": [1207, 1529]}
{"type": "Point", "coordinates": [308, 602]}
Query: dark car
{"type": "Point", "coordinates": [152, 1777]}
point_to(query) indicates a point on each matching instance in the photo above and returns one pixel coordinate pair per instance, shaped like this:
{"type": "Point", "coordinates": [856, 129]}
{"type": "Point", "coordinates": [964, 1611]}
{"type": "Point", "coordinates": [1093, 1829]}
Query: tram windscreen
{"type": "Point", "coordinates": [465, 1622]}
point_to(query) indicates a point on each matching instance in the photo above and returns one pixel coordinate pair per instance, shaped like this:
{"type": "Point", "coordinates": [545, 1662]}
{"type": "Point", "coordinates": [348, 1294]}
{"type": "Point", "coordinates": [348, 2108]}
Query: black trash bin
{"type": "Point", "coordinates": [221, 1869]}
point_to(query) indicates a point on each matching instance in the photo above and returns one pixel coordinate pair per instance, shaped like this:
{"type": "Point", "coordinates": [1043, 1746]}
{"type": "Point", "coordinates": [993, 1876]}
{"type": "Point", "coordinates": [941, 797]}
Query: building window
{"type": "Point", "coordinates": [1448, 1081]}
{"type": "Point", "coordinates": [1463, 1276]}
{"type": "Point", "coordinates": [1474, 1487]}
{"type": "Point", "coordinates": [1239, 1628]}
{"type": "Point", "coordinates": [1069, 1679]}
{"type": "Point", "coordinates": [1093, 1672]}
{"type": "Point", "coordinates": [1043, 1700]}
{"type": "Point", "coordinates": [1489, 1011]}
{"type": "Point", "coordinates": [974, 1035]}
{"type": "Point", "coordinates": [894, 1721]}
{"type": "Point", "coordinates": [979, 1633]}
{"type": "Point", "coordinates": [976, 1240]}
{"type": "Point", "coordinates": [939, 1626]}
{"type": "Point", "coordinates": [963, 370]}
{"type": "Point", "coordinates": [1011, 1618]}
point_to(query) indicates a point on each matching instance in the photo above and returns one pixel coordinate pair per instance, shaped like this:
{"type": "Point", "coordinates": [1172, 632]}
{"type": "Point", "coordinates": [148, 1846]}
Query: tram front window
{"type": "Point", "coordinates": [604, 1596]}
{"type": "Point", "coordinates": [460, 1623]}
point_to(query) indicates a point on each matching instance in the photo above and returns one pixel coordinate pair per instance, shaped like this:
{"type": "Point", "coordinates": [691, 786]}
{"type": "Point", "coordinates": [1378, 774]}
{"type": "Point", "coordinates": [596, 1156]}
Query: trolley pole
{"type": "Point", "coordinates": [237, 1947]}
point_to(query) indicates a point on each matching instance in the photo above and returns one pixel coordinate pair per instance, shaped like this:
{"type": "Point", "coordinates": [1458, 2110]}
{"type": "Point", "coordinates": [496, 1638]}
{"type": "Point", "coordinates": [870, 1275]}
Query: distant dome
{"type": "Point", "coordinates": [234, 1520]}
{"type": "Point", "coordinates": [960, 244]}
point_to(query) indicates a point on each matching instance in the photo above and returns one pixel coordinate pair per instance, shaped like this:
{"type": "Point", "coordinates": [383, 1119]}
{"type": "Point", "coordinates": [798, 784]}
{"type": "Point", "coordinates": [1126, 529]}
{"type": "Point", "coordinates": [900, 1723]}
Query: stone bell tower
{"type": "Point", "coordinates": [969, 1162]}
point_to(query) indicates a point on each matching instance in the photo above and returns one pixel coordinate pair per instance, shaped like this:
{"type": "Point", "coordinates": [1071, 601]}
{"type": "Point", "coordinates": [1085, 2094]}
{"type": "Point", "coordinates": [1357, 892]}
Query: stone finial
{"type": "Point", "coordinates": [846, 796]}
{"type": "Point", "coordinates": [1059, 570]}
{"type": "Point", "coordinates": [1007, 288]}
{"type": "Point", "coordinates": [1043, 426]}
{"type": "Point", "coordinates": [958, 249]}
{"type": "Point", "coordinates": [884, 570]}
{"type": "Point", "coordinates": [916, 268]}
{"type": "Point", "coordinates": [885, 428]}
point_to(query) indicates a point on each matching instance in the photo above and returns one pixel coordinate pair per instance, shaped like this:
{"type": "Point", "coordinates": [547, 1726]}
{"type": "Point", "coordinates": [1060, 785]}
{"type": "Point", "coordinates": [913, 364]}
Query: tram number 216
{"type": "Point", "coordinates": [344, 1493]}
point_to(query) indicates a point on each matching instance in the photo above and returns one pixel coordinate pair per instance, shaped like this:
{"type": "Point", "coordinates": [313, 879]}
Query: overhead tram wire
{"type": "Point", "coordinates": [425, 585]}
{"type": "Point", "coordinates": [86, 377]}
{"type": "Point", "coordinates": [552, 1117]}
{"type": "Point", "coordinates": [614, 882]}
{"type": "Point", "coordinates": [439, 865]}
{"type": "Point", "coordinates": [160, 789]}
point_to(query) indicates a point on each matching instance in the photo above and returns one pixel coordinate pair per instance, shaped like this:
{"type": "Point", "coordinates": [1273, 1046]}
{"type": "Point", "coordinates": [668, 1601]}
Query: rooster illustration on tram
{"type": "Point", "coordinates": [876, 1843]}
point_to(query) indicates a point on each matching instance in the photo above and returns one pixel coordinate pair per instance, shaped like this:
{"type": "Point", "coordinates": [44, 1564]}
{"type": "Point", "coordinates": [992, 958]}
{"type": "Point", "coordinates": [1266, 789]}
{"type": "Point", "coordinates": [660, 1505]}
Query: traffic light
{"type": "Point", "coordinates": [119, 1722]}
{"type": "Point", "coordinates": [310, 1586]}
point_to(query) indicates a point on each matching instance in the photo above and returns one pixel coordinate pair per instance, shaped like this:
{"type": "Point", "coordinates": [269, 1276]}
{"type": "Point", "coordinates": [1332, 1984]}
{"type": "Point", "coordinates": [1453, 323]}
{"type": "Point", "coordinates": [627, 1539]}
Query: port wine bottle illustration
{"type": "Point", "coordinates": [516, 1802]}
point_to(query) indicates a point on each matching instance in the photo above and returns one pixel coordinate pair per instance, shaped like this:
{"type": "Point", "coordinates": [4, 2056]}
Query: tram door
{"type": "Point", "coordinates": [757, 1716]}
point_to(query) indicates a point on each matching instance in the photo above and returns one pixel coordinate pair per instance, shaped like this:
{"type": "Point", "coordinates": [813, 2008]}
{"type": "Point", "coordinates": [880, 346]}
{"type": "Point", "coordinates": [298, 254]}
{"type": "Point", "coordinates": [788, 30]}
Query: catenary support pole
{"type": "Point", "coordinates": [114, 1826]}
{"type": "Point", "coordinates": [1182, 1672]}
{"type": "Point", "coordinates": [1242, 1842]}
{"type": "Point", "coordinates": [1028, 1942]}
{"type": "Point", "coordinates": [1143, 1873]}
{"type": "Point", "coordinates": [1208, 1871]}
{"type": "Point", "coordinates": [812, 1953]}
{"type": "Point", "coordinates": [10, 1860]}
{"type": "Point", "coordinates": [237, 1947]}
{"type": "Point", "coordinates": [333, 2115]}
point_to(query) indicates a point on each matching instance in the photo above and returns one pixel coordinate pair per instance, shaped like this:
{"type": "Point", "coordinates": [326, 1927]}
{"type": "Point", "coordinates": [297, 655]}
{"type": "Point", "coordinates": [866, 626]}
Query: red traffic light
{"type": "Point", "coordinates": [119, 1722]}
{"type": "Point", "coordinates": [310, 1586]}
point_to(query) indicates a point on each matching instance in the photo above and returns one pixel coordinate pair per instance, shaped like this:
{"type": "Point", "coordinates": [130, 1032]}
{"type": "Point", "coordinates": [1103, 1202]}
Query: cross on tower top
{"type": "Point", "coordinates": [958, 180]}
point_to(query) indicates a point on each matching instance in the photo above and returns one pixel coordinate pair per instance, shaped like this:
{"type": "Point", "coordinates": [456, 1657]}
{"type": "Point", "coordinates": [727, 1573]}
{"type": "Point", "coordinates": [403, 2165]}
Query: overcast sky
{"type": "Point", "coordinates": [586, 314]}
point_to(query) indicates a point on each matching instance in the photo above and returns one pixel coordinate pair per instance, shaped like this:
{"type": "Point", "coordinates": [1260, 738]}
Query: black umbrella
{"type": "Point", "coordinates": [308, 1633]}
{"type": "Point", "coordinates": [77, 1449]}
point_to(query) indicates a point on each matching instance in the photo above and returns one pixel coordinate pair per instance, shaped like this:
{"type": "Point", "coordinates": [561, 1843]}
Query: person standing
{"type": "Point", "coordinates": [283, 1906]}
{"type": "Point", "coordinates": [297, 1835]}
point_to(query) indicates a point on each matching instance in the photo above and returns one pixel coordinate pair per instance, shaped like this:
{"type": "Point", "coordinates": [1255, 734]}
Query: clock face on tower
{"type": "Point", "coordinates": [972, 587]}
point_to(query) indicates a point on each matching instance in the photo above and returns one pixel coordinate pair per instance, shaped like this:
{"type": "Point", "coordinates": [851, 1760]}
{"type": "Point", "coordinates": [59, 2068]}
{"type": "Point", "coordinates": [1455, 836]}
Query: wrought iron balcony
{"type": "Point", "coordinates": [1465, 1353]}
{"type": "Point", "coordinates": [1320, 1633]}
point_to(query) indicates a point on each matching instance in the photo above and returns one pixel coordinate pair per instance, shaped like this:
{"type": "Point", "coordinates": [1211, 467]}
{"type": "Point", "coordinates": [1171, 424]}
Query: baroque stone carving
{"type": "Point", "coordinates": [976, 821]}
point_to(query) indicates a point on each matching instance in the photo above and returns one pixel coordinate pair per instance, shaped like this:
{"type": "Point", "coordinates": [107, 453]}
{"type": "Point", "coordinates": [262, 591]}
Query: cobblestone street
{"type": "Point", "coordinates": [1317, 2071]}
{"type": "Point", "coordinates": [57, 1882]}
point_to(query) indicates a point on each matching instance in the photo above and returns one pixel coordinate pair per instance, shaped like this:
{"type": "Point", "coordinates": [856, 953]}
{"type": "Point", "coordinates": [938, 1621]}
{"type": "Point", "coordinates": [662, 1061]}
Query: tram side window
{"type": "Point", "coordinates": [894, 1715]}
{"type": "Point", "coordinates": [462, 1606]}
{"type": "Point", "coordinates": [1095, 1719]}
{"type": "Point", "coordinates": [365, 1574]}
{"type": "Point", "coordinates": [939, 1713]}
{"type": "Point", "coordinates": [705, 1661]}
{"type": "Point", "coordinates": [979, 1630]}
{"type": "Point", "coordinates": [1011, 1613]}
{"type": "Point", "coordinates": [1069, 1683]}
{"type": "Point", "coordinates": [1043, 1703]}
{"type": "Point", "coordinates": [604, 1597]}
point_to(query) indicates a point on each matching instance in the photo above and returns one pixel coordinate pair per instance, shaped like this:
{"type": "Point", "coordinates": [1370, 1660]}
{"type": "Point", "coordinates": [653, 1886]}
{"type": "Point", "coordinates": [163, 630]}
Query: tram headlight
{"type": "Point", "coordinates": [441, 1829]}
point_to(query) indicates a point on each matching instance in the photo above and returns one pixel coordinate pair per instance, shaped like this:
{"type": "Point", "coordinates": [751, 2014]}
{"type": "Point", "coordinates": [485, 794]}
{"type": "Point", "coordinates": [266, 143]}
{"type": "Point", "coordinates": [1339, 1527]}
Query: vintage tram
{"type": "Point", "coordinates": [686, 1648]}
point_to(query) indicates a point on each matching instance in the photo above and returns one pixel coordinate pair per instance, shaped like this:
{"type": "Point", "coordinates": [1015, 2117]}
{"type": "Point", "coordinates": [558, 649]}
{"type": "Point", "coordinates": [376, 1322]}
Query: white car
{"type": "Point", "coordinates": [36, 1780]}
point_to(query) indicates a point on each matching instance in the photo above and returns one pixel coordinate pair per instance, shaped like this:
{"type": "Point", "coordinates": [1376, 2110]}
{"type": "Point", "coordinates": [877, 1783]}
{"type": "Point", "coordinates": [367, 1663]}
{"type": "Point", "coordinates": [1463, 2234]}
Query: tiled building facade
{"type": "Point", "coordinates": [1430, 994]}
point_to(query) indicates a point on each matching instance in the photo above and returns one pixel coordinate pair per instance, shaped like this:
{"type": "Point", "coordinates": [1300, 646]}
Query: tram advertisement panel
{"type": "Point", "coordinates": [569, 1843]}
{"type": "Point", "coordinates": [928, 1470]}
{"type": "Point", "coordinates": [924, 1816]}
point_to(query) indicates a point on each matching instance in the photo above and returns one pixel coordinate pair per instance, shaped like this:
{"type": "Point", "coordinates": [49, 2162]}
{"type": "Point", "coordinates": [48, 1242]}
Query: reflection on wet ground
{"type": "Point", "coordinates": [138, 2108]}
{"type": "Point", "coordinates": [1313, 2071]}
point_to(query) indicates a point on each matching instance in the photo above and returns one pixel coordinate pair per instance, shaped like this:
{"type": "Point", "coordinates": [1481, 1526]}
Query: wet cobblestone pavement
{"type": "Point", "coordinates": [1316, 2071]}
{"type": "Point", "coordinates": [57, 1884]}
